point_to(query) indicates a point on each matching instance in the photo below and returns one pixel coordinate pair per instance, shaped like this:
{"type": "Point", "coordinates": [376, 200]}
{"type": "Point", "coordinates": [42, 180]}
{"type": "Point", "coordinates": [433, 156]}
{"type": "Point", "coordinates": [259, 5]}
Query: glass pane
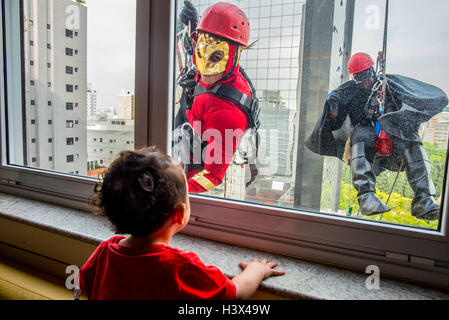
{"type": "Point", "coordinates": [329, 141]}
{"type": "Point", "coordinates": [78, 85]}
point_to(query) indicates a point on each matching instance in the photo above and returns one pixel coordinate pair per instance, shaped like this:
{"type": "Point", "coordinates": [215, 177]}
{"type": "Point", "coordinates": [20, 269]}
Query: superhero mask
{"type": "Point", "coordinates": [214, 55]}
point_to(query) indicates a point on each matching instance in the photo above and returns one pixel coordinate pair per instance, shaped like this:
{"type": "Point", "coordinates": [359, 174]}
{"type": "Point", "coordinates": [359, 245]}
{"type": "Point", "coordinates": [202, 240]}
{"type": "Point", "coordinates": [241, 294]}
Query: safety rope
{"type": "Point", "coordinates": [392, 188]}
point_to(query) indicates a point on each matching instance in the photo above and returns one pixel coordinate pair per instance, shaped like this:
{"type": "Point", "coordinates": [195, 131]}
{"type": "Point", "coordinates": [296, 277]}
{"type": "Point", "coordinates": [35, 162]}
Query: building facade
{"type": "Point", "coordinates": [436, 130]}
{"type": "Point", "coordinates": [55, 53]}
{"type": "Point", "coordinates": [91, 102]}
{"type": "Point", "coordinates": [126, 104]}
{"type": "Point", "coordinates": [107, 137]}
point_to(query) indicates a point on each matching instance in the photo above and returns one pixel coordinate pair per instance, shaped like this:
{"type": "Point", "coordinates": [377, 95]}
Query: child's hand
{"type": "Point", "coordinates": [253, 274]}
{"type": "Point", "coordinates": [264, 267]}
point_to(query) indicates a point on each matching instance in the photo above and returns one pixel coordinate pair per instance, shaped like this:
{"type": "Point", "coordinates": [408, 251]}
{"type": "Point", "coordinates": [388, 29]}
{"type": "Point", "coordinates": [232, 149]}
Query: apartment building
{"type": "Point", "coordinates": [91, 101]}
{"type": "Point", "coordinates": [436, 130]}
{"type": "Point", "coordinates": [55, 52]}
{"type": "Point", "coordinates": [126, 103]}
{"type": "Point", "coordinates": [107, 137]}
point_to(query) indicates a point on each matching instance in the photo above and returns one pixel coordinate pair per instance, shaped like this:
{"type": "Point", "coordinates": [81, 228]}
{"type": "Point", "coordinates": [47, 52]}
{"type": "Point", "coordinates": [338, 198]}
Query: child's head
{"type": "Point", "coordinates": [141, 191]}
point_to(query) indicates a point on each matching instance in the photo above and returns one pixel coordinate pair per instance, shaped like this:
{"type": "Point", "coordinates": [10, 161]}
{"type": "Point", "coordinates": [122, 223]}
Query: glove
{"type": "Point", "coordinates": [187, 81]}
{"type": "Point", "coordinates": [333, 105]}
{"type": "Point", "coordinates": [189, 14]}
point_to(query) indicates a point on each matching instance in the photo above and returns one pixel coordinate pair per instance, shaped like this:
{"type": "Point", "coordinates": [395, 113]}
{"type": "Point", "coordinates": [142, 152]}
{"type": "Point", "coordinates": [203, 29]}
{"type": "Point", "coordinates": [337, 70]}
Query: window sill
{"type": "Point", "coordinates": [304, 280]}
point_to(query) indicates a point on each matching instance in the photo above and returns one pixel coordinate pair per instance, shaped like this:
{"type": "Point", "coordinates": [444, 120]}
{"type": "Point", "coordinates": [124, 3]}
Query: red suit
{"type": "Point", "coordinates": [219, 114]}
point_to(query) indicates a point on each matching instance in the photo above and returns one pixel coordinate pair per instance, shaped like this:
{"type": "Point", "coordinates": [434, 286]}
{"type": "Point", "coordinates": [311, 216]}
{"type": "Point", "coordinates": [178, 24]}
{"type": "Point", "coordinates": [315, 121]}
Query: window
{"type": "Point", "coordinates": [293, 178]}
{"type": "Point", "coordinates": [68, 33]}
{"type": "Point", "coordinates": [293, 207]}
{"type": "Point", "coordinates": [32, 82]}
{"type": "Point", "coordinates": [49, 84]}
{"type": "Point", "coordinates": [49, 103]}
{"type": "Point", "coordinates": [33, 102]}
{"type": "Point", "coordinates": [48, 65]}
{"type": "Point", "coordinates": [50, 159]}
{"type": "Point", "coordinates": [50, 122]}
{"type": "Point", "coordinates": [31, 43]}
{"type": "Point", "coordinates": [70, 158]}
{"type": "Point", "coordinates": [33, 140]}
{"type": "Point", "coordinates": [69, 52]}
{"type": "Point", "coordinates": [69, 70]}
{"type": "Point", "coordinates": [31, 63]}
{"type": "Point", "coordinates": [48, 27]}
{"type": "Point", "coordinates": [50, 140]}
{"type": "Point", "coordinates": [69, 88]}
{"type": "Point", "coordinates": [48, 46]}
{"type": "Point", "coordinates": [70, 141]}
{"type": "Point", "coordinates": [69, 106]}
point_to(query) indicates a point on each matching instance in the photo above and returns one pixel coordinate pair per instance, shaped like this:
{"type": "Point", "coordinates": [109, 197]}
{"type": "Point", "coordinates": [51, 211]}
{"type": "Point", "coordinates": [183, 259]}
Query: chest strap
{"type": "Point", "coordinates": [231, 94]}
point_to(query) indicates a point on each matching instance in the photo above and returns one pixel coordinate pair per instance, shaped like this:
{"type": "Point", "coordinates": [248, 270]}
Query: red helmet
{"type": "Point", "coordinates": [359, 62]}
{"type": "Point", "coordinates": [226, 20]}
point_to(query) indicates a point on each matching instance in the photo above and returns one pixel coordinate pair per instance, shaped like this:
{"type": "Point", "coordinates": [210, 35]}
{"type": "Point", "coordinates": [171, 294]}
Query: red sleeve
{"type": "Point", "coordinates": [198, 281]}
{"type": "Point", "coordinates": [87, 272]}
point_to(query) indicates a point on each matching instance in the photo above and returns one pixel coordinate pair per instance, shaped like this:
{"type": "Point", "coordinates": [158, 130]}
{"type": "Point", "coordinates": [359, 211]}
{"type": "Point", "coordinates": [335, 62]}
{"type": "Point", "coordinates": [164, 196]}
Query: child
{"type": "Point", "coordinates": [144, 194]}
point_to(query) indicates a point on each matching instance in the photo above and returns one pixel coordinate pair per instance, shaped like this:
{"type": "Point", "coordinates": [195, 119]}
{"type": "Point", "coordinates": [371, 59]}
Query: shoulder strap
{"type": "Point", "coordinates": [228, 93]}
{"type": "Point", "coordinates": [240, 99]}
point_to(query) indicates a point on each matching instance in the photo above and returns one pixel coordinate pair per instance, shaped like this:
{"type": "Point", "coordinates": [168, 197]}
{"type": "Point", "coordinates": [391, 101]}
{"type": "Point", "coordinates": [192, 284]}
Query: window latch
{"type": "Point", "coordinates": [9, 182]}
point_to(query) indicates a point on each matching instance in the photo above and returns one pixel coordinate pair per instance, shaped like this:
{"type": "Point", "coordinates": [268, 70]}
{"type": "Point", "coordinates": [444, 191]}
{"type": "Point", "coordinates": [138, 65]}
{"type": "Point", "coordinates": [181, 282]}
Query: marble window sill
{"type": "Point", "coordinates": [304, 280]}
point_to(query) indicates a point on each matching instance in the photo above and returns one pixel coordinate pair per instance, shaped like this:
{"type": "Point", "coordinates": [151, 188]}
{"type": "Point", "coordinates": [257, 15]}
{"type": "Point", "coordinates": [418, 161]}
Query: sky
{"type": "Point", "coordinates": [111, 41]}
{"type": "Point", "coordinates": [418, 44]}
{"type": "Point", "coordinates": [418, 37]}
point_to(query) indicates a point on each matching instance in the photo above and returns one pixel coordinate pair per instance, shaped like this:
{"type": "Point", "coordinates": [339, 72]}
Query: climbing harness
{"type": "Point", "coordinates": [250, 106]}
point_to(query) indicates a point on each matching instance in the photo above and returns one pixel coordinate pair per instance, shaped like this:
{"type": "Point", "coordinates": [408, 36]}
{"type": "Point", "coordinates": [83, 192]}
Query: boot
{"type": "Point", "coordinates": [364, 182]}
{"type": "Point", "coordinates": [417, 163]}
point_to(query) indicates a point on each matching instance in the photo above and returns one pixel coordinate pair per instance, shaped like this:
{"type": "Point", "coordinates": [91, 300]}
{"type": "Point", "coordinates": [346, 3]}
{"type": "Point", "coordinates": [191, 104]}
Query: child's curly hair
{"type": "Point", "coordinates": [140, 191]}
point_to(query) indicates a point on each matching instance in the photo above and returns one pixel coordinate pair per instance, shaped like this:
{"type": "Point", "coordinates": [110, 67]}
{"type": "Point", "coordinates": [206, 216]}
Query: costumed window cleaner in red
{"type": "Point", "coordinates": [382, 138]}
{"type": "Point", "coordinates": [218, 106]}
{"type": "Point", "coordinates": [144, 195]}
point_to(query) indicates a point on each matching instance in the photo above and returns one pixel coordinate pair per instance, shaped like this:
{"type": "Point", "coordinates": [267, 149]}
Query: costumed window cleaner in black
{"type": "Point", "coordinates": [381, 138]}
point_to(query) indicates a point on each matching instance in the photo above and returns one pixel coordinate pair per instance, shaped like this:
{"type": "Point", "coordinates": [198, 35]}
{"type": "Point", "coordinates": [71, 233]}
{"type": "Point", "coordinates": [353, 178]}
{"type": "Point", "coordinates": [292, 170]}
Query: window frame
{"type": "Point", "coordinates": [350, 243]}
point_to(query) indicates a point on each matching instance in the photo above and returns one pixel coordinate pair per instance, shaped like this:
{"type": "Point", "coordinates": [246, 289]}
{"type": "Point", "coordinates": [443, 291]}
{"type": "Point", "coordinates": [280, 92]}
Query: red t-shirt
{"type": "Point", "coordinates": [156, 272]}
